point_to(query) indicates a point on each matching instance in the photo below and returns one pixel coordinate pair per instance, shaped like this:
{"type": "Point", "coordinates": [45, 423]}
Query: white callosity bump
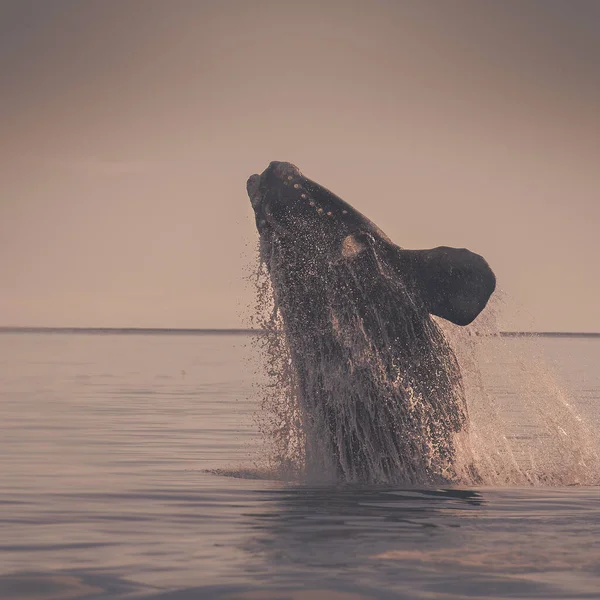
{"type": "Point", "coordinates": [287, 172]}
{"type": "Point", "coordinates": [351, 246]}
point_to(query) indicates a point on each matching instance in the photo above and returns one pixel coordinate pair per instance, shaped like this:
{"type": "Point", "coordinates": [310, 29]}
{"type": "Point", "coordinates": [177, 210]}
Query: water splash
{"type": "Point", "coordinates": [278, 417]}
{"type": "Point", "coordinates": [522, 427]}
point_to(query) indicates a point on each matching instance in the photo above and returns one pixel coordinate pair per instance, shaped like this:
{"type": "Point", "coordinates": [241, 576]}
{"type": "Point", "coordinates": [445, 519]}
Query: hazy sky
{"type": "Point", "coordinates": [128, 129]}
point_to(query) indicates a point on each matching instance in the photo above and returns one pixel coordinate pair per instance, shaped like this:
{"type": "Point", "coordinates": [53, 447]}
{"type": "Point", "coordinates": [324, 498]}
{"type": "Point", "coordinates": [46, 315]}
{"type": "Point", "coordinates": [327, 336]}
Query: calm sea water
{"type": "Point", "coordinates": [107, 443]}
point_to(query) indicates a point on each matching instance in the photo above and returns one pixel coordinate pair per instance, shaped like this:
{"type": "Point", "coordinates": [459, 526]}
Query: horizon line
{"type": "Point", "coordinates": [232, 331]}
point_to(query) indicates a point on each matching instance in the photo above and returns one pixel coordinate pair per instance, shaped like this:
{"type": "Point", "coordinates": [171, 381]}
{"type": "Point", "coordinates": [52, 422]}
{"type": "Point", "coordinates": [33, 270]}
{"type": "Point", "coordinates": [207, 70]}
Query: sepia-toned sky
{"type": "Point", "coordinates": [128, 130]}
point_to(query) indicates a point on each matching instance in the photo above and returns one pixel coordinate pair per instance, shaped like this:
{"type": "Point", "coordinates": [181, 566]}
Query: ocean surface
{"type": "Point", "coordinates": [131, 467]}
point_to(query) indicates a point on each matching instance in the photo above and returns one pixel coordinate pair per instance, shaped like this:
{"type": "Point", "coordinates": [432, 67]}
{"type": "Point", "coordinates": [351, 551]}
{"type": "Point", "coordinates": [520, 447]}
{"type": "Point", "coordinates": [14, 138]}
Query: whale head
{"type": "Point", "coordinates": [318, 230]}
{"type": "Point", "coordinates": [289, 204]}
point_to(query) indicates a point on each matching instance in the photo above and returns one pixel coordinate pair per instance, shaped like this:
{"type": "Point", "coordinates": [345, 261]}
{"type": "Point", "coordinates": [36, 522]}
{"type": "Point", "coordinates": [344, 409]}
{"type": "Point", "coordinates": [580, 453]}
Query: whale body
{"type": "Point", "coordinates": [378, 384]}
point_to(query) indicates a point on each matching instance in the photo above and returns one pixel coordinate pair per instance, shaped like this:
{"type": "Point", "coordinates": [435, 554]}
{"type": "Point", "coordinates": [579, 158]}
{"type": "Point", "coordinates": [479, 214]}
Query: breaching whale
{"type": "Point", "coordinates": [378, 384]}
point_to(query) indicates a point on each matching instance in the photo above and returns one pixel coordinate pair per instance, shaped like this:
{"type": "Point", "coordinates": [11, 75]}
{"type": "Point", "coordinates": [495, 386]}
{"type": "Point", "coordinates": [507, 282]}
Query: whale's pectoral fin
{"type": "Point", "coordinates": [454, 283]}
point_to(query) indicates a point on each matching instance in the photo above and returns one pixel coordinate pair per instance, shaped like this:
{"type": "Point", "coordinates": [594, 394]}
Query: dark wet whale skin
{"type": "Point", "coordinates": [379, 386]}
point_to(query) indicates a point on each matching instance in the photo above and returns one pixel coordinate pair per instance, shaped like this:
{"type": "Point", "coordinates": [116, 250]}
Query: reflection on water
{"type": "Point", "coordinates": [308, 534]}
{"type": "Point", "coordinates": [106, 492]}
{"type": "Point", "coordinates": [225, 541]}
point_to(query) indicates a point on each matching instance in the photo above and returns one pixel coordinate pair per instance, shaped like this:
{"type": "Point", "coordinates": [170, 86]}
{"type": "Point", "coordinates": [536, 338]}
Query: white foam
{"type": "Point", "coordinates": [522, 427]}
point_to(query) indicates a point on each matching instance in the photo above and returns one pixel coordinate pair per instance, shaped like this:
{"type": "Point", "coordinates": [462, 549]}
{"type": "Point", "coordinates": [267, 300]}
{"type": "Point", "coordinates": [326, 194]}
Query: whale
{"type": "Point", "coordinates": [378, 385]}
